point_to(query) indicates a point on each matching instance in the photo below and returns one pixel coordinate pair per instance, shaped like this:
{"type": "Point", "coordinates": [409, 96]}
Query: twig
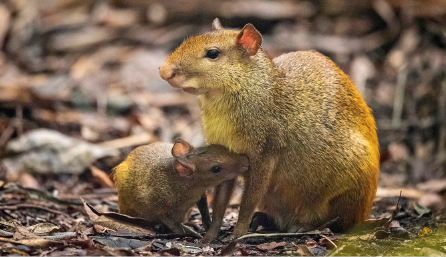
{"type": "Point", "coordinates": [394, 213]}
{"type": "Point", "coordinates": [329, 240]}
{"type": "Point", "coordinates": [5, 233]}
{"type": "Point", "coordinates": [60, 236]}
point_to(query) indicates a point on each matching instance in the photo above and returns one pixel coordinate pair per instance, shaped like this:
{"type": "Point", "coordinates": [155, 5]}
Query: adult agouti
{"type": "Point", "coordinates": [160, 182]}
{"type": "Point", "coordinates": [310, 137]}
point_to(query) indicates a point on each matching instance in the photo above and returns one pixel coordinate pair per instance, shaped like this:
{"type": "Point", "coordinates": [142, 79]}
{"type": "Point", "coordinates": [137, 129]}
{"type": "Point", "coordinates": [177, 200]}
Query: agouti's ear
{"type": "Point", "coordinates": [180, 147]}
{"type": "Point", "coordinates": [250, 39]}
{"type": "Point", "coordinates": [183, 169]}
{"type": "Point", "coordinates": [216, 25]}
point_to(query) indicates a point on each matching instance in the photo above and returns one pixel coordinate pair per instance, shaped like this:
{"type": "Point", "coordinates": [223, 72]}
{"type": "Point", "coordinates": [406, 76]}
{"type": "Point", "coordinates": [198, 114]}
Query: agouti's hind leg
{"type": "Point", "coordinates": [262, 219]}
{"type": "Point", "coordinates": [310, 216]}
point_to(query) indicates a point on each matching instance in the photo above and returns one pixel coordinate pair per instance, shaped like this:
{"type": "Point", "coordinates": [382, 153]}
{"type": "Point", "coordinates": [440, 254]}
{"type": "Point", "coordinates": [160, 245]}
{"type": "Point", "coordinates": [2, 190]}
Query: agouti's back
{"type": "Point", "coordinates": [335, 146]}
{"type": "Point", "coordinates": [135, 179]}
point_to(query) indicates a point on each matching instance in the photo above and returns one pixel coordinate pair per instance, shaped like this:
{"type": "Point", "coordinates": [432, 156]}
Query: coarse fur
{"type": "Point", "coordinates": [154, 185]}
{"type": "Point", "coordinates": [309, 135]}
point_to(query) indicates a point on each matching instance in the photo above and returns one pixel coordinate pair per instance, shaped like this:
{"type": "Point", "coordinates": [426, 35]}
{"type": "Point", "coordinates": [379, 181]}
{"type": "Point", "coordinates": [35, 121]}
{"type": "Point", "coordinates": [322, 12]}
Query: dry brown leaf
{"type": "Point", "coordinates": [101, 177]}
{"type": "Point", "coordinates": [270, 246]}
{"type": "Point", "coordinates": [122, 224]}
{"type": "Point", "coordinates": [230, 248]}
{"type": "Point", "coordinates": [43, 228]}
{"type": "Point", "coordinates": [23, 233]}
{"type": "Point", "coordinates": [35, 242]}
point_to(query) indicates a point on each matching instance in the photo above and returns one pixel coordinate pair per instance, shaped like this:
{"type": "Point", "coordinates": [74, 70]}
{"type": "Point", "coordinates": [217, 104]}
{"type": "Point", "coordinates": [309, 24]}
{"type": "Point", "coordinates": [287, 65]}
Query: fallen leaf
{"type": "Point", "coordinates": [121, 242]}
{"type": "Point", "coordinates": [43, 228]}
{"type": "Point", "coordinates": [100, 229]}
{"type": "Point", "coordinates": [230, 248]}
{"type": "Point", "coordinates": [188, 248]}
{"type": "Point", "coordinates": [171, 251]}
{"type": "Point", "coordinates": [122, 224]}
{"type": "Point", "coordinates": [421, 210]}
{"type": "Point", "coordinates": [303, 251]}
{"type": "Point", "coordinates": [101, 177]}
{"type": "Point", "coordinates": [35, 242]}
{"type": "Point", "coordinates": [23, 233]}
{"type": "Point", "coordinates": [270, 246]}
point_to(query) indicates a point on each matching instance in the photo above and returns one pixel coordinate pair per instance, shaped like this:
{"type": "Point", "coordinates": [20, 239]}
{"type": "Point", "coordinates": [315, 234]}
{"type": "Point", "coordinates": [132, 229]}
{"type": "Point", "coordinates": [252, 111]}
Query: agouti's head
{"type": "Point", "coordinates": [202, 63]}
{"type": "Point", "coordinates": [208, 165]}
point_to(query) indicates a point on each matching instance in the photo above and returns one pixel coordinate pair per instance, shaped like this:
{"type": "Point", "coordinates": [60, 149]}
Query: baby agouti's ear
{"type": "Point", "coordinates": [183, 169]}
{"type": "Point", "coordinates": [250, 39]}
{"type": "Point", "coordinates": [216, 25]}
{"type": "Point", "coordinates": [181, 147]}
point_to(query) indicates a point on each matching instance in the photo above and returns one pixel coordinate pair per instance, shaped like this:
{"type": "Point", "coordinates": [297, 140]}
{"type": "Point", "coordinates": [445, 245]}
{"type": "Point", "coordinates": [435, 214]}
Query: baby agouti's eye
{"type": "Point", "coordinates": [216, 169]}
{"type": "Point", "coordinates": [212, 54]}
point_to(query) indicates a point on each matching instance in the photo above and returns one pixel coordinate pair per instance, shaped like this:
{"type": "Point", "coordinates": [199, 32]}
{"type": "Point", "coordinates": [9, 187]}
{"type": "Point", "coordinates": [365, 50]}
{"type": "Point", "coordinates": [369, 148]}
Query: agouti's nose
{"type": "Point", "coordinates": [167, 72]}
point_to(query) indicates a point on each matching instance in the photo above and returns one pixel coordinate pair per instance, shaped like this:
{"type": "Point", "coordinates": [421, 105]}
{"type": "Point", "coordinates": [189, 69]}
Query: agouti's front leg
{"type": "Point", "coordinates": [256, 183]}
{"type": "Point", "coordinates": [221, 199]}
{"type": "Point", "coordinates": [202, 205]}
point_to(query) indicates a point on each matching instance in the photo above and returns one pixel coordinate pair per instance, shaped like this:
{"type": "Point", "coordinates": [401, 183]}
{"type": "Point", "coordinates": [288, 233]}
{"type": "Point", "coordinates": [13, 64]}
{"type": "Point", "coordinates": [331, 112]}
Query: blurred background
{"type": "Point", "coordinates": [79, 83]}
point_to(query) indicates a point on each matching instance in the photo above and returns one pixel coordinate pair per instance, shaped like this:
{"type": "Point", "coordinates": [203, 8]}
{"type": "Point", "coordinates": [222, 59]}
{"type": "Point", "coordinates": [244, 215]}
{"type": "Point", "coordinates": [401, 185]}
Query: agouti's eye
{"type": "Point", "coordinates": [212, 54]}
{"type": "Point", "coordinates": [216, 169]}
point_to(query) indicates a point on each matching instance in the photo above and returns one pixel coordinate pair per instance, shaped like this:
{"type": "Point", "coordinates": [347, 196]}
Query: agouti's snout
{"type": "Point", "coordinates": [167, 72]}
{"type": "Point", "coordinates": [170, 73]}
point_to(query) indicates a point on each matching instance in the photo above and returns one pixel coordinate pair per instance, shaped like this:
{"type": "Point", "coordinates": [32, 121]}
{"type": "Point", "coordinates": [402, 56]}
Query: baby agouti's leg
{"type": "Point", "coordinates": [203, 207]}
{"type": "Point", "coordinates": [220, 202]}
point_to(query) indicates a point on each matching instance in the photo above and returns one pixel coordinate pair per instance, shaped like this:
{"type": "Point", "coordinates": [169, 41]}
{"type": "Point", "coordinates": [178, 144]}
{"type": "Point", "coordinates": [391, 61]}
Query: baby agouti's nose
{"type": "Point", "coordinates": [244, 164]}
{"type": "Point", "coordinates": [167, 72]}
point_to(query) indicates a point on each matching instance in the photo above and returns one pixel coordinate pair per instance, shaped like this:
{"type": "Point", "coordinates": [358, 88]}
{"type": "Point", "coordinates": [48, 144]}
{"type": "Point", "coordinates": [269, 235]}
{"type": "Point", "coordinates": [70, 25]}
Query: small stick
{"type": "Point", "coordinates": [394, 213]}
{"type": "Point", "coordinates": [329, 240]}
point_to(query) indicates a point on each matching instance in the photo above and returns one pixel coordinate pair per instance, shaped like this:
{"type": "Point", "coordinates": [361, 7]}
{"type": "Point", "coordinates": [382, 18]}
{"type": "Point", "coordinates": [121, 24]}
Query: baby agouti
{"type": "Point", "coordinates": [310, 137]}
{"type": "Point", "coordinates": [160, 182]}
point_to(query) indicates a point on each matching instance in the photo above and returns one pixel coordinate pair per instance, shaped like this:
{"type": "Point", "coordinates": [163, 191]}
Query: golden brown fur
{"type": "Point", "coordinates": [150, 187]}
{"type": "Point", "coordinates": [310, 136]}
